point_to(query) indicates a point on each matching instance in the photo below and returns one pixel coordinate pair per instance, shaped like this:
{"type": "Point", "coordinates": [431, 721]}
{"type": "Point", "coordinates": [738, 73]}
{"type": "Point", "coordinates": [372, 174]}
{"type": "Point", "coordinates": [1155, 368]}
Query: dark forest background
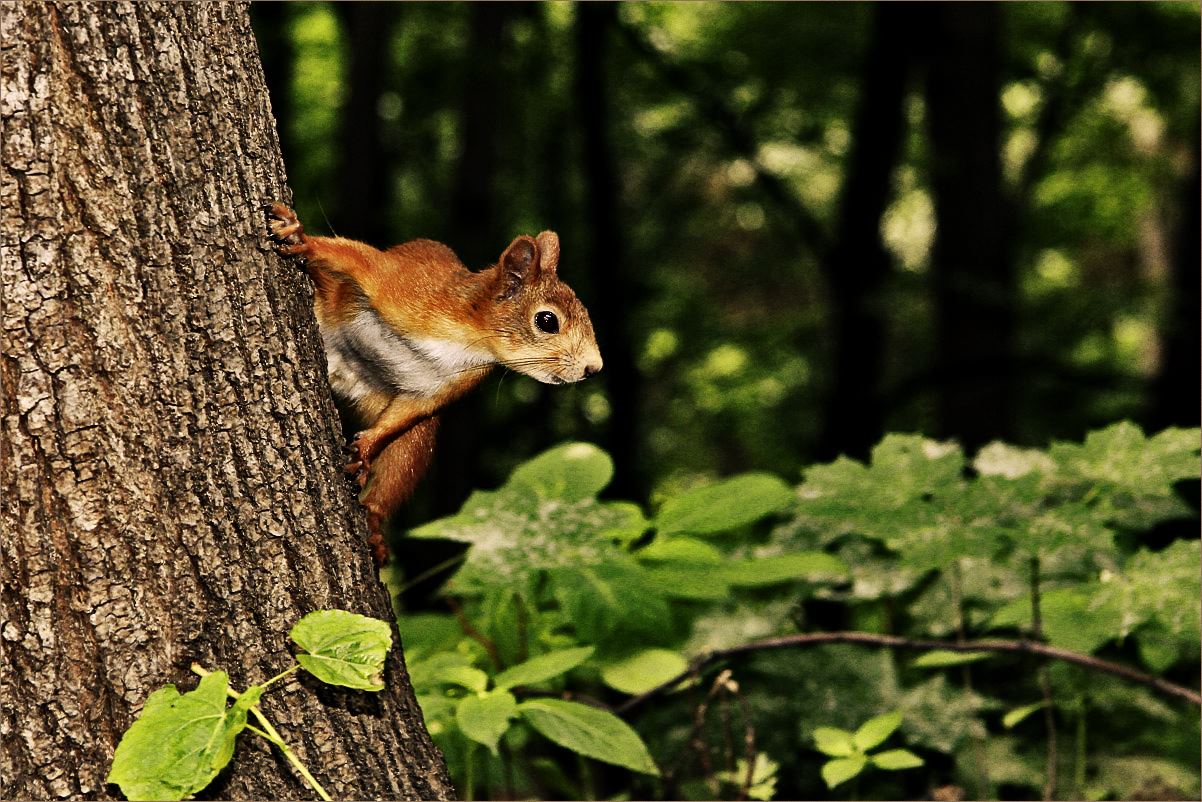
{"type": "Point", "coordinates": [796, 227]}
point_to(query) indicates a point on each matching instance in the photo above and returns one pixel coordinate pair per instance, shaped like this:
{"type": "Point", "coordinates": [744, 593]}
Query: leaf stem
{"type": "Point", "coordinates": [270, 733]}
{"type": "Point", "coordinates": [280, 676]}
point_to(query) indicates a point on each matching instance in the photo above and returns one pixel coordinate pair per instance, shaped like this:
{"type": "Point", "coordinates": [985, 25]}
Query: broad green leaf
{"type": "Point", "coordinates": [680, 549]}
{"type": "Point", "coordinates": [543, 667]}
{"type": "Point", "coordinates": [942, 658]}
{"type": "Point", "coordinates": [724, 505]}
{"type": "Point", "coordinates": [485, 718]}
{"type": "Point", "coordinates": [643, 670]}
{"type": "Point", "coordinates": [1158, 649]}
{"type": "Point", "coordinates": [598, 600]}
{"type": "Point", "coordinates": [699, 581]}
{"type": "Point", "coordinates": [1122, 456]}
{"type": "Point", "coordinates": [896, 759]}
{"type": "Point", "coordinates": [834, 741]}
{"type": "Point", "coordinates": [571, 472]}
{"type": "Point", "coordinates": [1012, 718]}
{"type": "Point", "coordinates": [874, 731]}
{"type": "Point", "coordinates": [515, 536]}
{"type": "Point", "coordinates": [589, 731]}
{"type": "Point", "coordinates": [344, 648]}
{"type": "Point", "coordinates": [465, 676]}
{"type": "Point", "coordinates": [1071, 618]}
{"type": "Point", "coordinates": [433, 670]}
{"type": "Point", "coordinates": [764, 571]}
{"type": "Point", "coordinates": [840, 770]}
{"type": "Point", "coordinates": [180, 743]}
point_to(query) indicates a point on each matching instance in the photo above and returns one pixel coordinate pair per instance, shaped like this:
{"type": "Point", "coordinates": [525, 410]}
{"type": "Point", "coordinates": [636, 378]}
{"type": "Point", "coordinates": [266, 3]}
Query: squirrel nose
{"type": "Point", "coordinates": [592, 369]}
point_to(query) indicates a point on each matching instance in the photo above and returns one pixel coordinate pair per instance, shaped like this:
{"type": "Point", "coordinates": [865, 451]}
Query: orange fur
{"type": "Point", "coordinates": [411, 329]}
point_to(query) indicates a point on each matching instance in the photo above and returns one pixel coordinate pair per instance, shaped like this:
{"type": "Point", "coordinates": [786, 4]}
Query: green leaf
{"type": "Point", "coordinates": [180, 743]}
{"type": "Point", "coordinates": [571, 472]}
{"type": "Point", "coordinates": [680, 549]}
{"type": "Point", "coordinates": [896, 759]}
{"type": "Point", "coordinates": [432, 671]}
{"type": "Point", "coordinates": [724, 505]}
{"type": "Point", "coordinates": [1012, 719]}
{"type": "Point", "coordinates": [874, 731]}
{"type": "Point", "coordinates": [543, 667]}
{"type": "Point", "coordinates": [1072, 618]}
{"type": "Point", "coordinates": [485, 718]}
{"type": "Point", "coordinates": [643, 670]}
{"type": "Point", "coordinates": [834, 741]}
{"type": "Point", "coordinates": [699, 581]}
{"type": "Point", "coordinates": [344, 648]}
{"type": "Point", "coordinates": [589, 731]}
{"type": "Point", "coordinates": [600, 599]}
{"type": "Point", "coordinates": [763, 776]}
{"type": "Point", "coordinates": [942, 658]}
{"type": "Point", "coordinates": [465, 676]}
{"type": "Point", "coordinates": [764, 571]}
{"type": "Point", "coordinates": [840, 770]}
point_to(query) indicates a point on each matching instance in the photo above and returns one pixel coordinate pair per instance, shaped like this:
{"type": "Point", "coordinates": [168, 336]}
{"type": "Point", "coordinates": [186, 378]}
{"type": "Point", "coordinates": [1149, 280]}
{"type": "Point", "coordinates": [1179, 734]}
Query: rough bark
{"type": "Point", "coordinates": [169, 449]}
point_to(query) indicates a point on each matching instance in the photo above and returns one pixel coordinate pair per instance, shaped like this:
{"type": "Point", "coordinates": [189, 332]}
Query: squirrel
{"type": "Point", "coordinates": [411, 329]}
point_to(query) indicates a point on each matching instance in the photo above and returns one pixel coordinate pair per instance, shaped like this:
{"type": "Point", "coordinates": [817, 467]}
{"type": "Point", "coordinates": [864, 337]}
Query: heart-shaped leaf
{"type": "Point", "coordinates": [343, 648]}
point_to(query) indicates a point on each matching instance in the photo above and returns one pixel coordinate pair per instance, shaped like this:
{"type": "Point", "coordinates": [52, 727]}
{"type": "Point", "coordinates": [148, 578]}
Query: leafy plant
{"type": "Point", "coordinates": [181, 742]}
{"type": "Point", "coordinates": [562, 598]}
{"type": "Point", "coordinates": [849, 751]}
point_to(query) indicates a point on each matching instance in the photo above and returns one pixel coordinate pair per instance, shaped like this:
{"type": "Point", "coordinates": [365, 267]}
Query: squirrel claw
{"type": "Point", "coordinates": [286, 230]}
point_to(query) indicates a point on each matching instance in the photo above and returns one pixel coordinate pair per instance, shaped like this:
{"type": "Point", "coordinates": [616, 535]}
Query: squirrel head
{"type": "Point", "coordinates": [541, 329]}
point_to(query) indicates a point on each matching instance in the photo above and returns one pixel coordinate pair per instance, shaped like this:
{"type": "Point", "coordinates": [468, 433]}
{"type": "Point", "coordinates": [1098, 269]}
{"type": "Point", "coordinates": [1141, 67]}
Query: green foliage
{"type": "Point", "coordinates": [566, 599]}
{"type": "Point", "coordinates": [180, 742]}
{"type": "Point", "coordinates": [589, 731]}
{"type": "Point", "coordinates": [850, 750]}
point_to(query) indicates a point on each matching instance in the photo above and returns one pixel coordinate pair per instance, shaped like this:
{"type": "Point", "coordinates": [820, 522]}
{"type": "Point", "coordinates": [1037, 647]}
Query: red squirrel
{"type": "Point", "coordinates": [411, 329]}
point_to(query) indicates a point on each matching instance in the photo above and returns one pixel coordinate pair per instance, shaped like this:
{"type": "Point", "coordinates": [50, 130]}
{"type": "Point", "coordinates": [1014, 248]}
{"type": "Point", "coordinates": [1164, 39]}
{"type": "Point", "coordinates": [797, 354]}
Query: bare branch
{"type": "Point", "coordinates": [897, 642]}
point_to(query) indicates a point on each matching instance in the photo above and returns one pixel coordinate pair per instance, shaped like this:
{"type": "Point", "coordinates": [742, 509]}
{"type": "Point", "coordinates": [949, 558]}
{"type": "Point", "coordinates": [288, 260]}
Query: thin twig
{"type": "Point", "coordinates": [271, 734]}
{"type": "Point", "coordinates": [475, 634]}
{"type": "Point", "coordinates": [895, 642]}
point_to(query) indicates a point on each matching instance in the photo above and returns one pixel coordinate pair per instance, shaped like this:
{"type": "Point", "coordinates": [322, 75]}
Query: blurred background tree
{"type": "Point", "coordinates": [796, 226]}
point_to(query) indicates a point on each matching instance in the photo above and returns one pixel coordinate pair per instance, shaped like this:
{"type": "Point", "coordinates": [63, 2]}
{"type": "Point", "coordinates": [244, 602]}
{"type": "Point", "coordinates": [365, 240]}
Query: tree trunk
{"type": "Point", "coordinates": [1175, 390]}
{"type": "Point", "coordinates": [975, 286]}
{"type": "Point", "coordinates": [859, 266]}
{"type": "Point", "coordinates": [170, 449]}
{"type": "Point", "coordinates": [365, 196]}
{"type": "Point", "coordinates": [614, 281]}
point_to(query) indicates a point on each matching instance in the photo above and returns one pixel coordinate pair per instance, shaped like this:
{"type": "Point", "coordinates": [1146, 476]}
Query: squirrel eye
{"type": "Point", "coordinates": [546, 321]}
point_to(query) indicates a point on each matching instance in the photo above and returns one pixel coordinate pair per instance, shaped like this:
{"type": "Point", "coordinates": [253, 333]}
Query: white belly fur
{"type": "Point", "coordinates": [366, 356]}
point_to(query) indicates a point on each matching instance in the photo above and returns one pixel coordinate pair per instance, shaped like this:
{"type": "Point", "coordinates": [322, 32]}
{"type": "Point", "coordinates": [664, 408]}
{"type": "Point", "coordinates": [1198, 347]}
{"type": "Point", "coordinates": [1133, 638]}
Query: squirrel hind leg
{"type": "Point", "coordinates": [393, 477]}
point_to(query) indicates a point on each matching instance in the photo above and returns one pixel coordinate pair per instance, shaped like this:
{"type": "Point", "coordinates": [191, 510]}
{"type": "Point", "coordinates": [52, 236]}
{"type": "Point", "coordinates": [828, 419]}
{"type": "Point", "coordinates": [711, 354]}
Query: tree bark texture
{"type": "Point", "coordinates": [171, 490]}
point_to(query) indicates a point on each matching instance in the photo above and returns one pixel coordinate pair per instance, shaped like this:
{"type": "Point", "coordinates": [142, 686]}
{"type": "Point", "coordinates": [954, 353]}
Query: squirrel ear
{"type": "Point", "coordinates": [548, 243]}
{"type": "Point", "coordinates": [519, 265]}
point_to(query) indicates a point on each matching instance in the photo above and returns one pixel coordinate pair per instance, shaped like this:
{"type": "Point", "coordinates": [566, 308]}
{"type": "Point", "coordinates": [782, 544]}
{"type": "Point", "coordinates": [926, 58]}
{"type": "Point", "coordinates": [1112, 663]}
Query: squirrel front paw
{"type": "Point", "coordinates": [286, 230]}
